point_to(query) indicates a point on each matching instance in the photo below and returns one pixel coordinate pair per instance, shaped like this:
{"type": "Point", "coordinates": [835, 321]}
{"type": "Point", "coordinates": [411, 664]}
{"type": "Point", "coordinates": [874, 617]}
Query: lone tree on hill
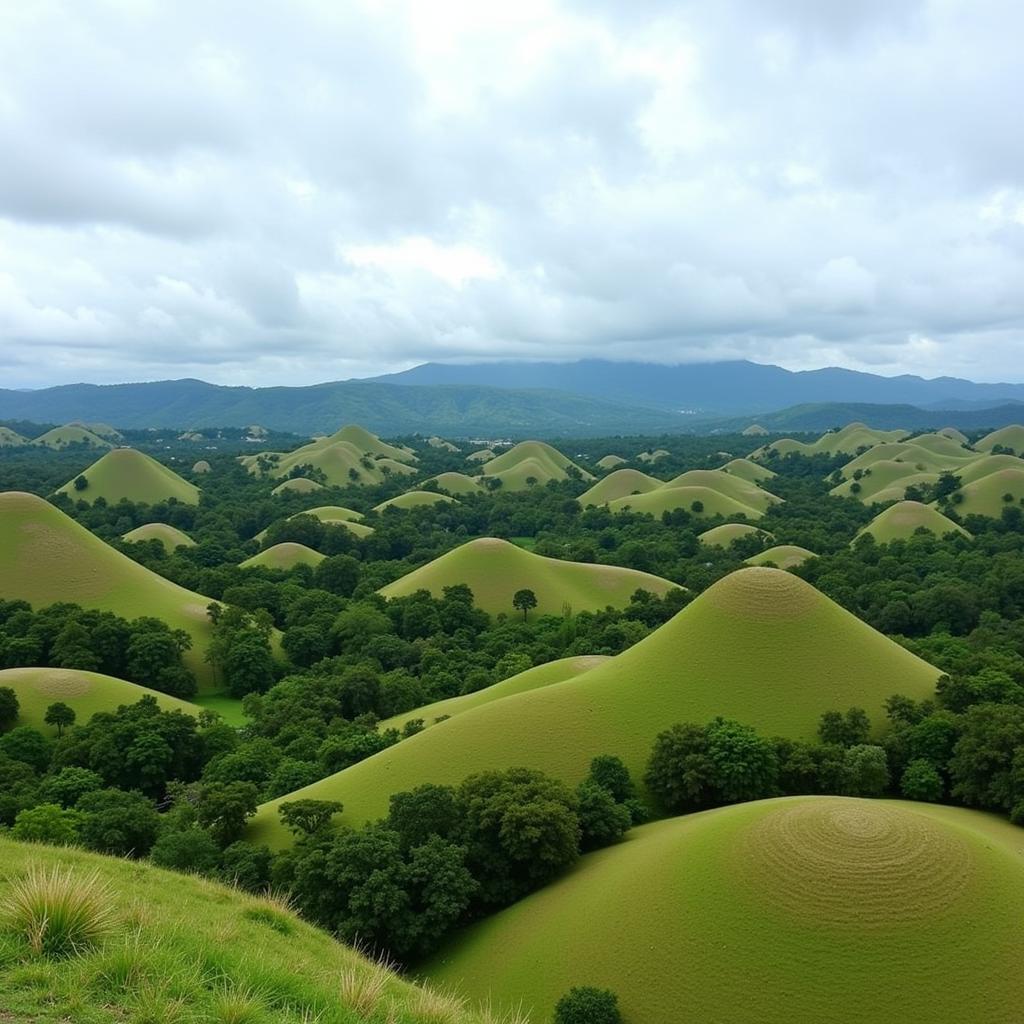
{"type": "Point", "coordinates": [81, 483]}
{"type": "Point", "coordinates": [60, 715]}
{"type": "Point", "coordinates": [524, 600]}
{"type": "Point", "coordinates": [588, 1005]}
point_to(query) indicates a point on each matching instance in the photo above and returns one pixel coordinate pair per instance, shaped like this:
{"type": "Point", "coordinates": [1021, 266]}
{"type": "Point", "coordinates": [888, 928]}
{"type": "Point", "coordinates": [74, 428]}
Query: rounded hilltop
{"type": "Point", "coordinates": [902, 520]}
{"type": "Point", "coordinates": [283, 556]}
{"type": "Point", "coordinates": [127, 474]}
{"type": "Point", "coordinates": [773, 912]}
{"type": "Point", "coordinates": [170, 537]}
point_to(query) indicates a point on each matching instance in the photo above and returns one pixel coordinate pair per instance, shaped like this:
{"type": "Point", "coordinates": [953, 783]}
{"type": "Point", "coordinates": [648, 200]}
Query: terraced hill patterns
{"type": "Point", "coordinates": [125, 473]}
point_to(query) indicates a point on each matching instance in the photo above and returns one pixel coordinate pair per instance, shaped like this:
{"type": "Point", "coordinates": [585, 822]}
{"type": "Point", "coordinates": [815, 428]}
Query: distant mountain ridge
{"type": "Point", "coordinates": [725, 387]}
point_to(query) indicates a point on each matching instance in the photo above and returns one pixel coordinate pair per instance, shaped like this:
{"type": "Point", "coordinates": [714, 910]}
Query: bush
{"type": "Point", "coordinates": [588, 1005]}
{"type": "Point", "coordinates": [47, 823]}
{"type": "Point", "coordinates": [921, 781]}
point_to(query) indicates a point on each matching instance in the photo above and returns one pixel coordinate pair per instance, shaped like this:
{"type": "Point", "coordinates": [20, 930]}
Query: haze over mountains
{"type": "Point", "coordinates": [518, 398]}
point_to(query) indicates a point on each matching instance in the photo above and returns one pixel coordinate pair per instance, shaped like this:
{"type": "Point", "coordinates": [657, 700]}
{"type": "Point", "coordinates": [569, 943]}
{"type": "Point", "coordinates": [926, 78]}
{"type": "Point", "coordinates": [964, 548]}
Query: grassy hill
{"type": "Point", "coordinates": [530, 460]}
{"type": "Point", "coordinates": [610, 461]}
{"type": "Point", "coordinates": [747, 469]}
{"type": "Point", "coordinates": [201, 468]}
{"type": "Point", "coordinates": [61, 437]}
{"type": "Point", "coordinates": [619, 484]}
{"type": "Point", "coordinates": [415, 499]}
{"type": "Point", "coordinates": [761, 646]}
{"type": "Point", "coordinates": [943, 445]}
{"type": "Point", "coordinates": [667, 499]}
{"type": "Point", "coordinates": [46, 557]}
{"type": "Point", "coordinates": [11, 439]}
{"type": "Point", "coordinates": [903, 520]}
{"type": "Point", "coordinates": [1011, 437]}
{"type": "Point", "coordinates": [728, 484]}
{"type": "Point", "coordinates": [361, 439]}
{"type": "Point", "coordinates": [297, 485]}
{"type": "Point", "coordinates": [723, 536]}
{"type": "Point", "coordinates": [457, 483]}
{"type": "Point", "coordinates": [178, 949]}
{"type": "Point", "coordinates": [483, 455]}
{"type": "Point", "coordinates": [531, 679]}
{"type": "Point", "coordinates": [884, 477]}
{"type": "Point", "coordinates": [653, 456]}
{"type": "Point", "coordinates": [283, 556]}
{"type": "Point", "coordinates": [169, 536]}
{"type": "Point", "coordinates": [126, 473]}
{"type": "Point", "coordinates": [442, 444]}
{"type": "Point", "coordinates": [848, 440]}
{"type": "Point", "coordinates": [791, 911]}
{"type": "Point", "coordinates": [341, 463]}
{"type": "Point", "coordinates": [992, 493]}
{"type": "Point", "coordinates": [333, 515]}
{"type": "Point", "coordinates": [783, 556]}
{"type": "Point", "coordinates": [85, 692]}
{"type": "Point", "coordinates": [495, 569]}
{"type": "Point", "coordinates": [983, 465]}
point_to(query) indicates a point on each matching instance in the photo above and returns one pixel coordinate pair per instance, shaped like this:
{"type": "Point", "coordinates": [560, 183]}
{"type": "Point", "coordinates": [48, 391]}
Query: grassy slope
{"type": "Point", "coordinates": [283, 556]}
{"type": "Point", "coordinates": [10, 438]}
{"type": "Point", "coordinates": [749, 471]}
{"type": "Point", "coordinates": [530, 460]}
{"type": "Point", "coordinates": [848, 440]}
{"type": "Point", "coordinates": [86, 692]}
{"type": "Point", "coordinates": [807, 909]}
{"type": "Point", "coordinates": [986, 464]}
{"type": "Point", "coordinates": [728, 484]}
{"type": "Point", "coordinates": [723, 536]}
{"type": "Point", "coordinates": [610, 461]}
{"type": "Point", "coordinates": [760, 646]}
{"type": "Point", "coordinates": [531, 679]}
{"type": "Point", "coordinates": [885, 474]}
{"type": "Point", "coordinates": [170, 536]}
{"type": "Point", "coordinates": [619, 484]}
{"type": "Point", "coordinates": [1008, 437]}
{"type": "Point", "coordinates": [415, 499]}
{"type": "Point", "coordinates": [181, 944]}
{"type": "Point", "coordinates": [902, 520]}
{"type": "Point", "coordinates": [45, 557]}
{"type": "Point", "coordinates": [367, 442]}
{"type": "Point", "coordinates": [457, 483]}
{"type": "Point", "coordinates": [665, 499]}
{"type": "Point", "coordinates": [785, 556]}
{"type": "Point", "coordinates": [984, 497]}
{"type": "Point", "coordinates": [61, 437]}
{"type": "Point", "coordinates": [298, 485]}
{"type": "Point", "coordinates": [126, 473]}
{"type": "Point", "coordinates": [336, 461]}
{"type": "Point", "coordinates": [483, 455]}
{"type": "Point", "coordinates": [495, 569]}
{"type": "Point", "coordinates": [333, 515]}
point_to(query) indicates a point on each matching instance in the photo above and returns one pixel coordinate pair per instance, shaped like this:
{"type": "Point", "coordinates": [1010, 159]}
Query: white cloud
{"type": "Point", "coordinates": [292, 193]}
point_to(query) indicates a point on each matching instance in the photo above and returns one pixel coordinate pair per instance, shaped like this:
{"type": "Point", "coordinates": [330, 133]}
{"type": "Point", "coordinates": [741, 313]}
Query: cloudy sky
{"type": "Point", "coordinates": [294, 192]}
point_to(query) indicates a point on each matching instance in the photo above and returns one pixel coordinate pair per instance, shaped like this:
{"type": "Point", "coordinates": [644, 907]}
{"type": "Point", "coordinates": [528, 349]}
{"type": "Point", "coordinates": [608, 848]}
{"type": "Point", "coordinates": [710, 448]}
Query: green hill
{"type": "Point", "coordinates": [125, 473]}
{"type": "Point", "coordinates": [85, 692]}
{"type": "Point", "coordinates": [201, 467]}
{"type": "Point", "coordinates": [456, 483]}
{"type": "Point", "coordinates": [761, 646]}
{"type": "Point", "coordinates": [942, 445]}
{"type": "Point", "coordinates": [495, 569]}
{"type": "Point", "coordinates": [531, 679]}
{"type": "Point", "coordinates": [783, 556]}
{"type": "Point", "coordinates": [903, 520]}
{"type": "Point", "coordinates": [991, 494]}
{"type": "Point", "coordinates": [283, 556]}
{"type": "Point", "coordinates": [790, 911]}
{"type": "Point", "coordinates": [169, 536]}
{"type": "Point", "coordinates": [483, 455]}
{"type": "Point", "coordinates": [341, 463]}
{"type": "Point", "coordinates": [887, 476]}
{"type": "Point", "coordinates": [956, 435]}
{"type": "Point", "coordinates": [723, 536]}
{"type": "Point", "coordinates": [61, 437]}
{"type": "Point", "coordinates": [728, 484]}
{"type": "Point", "coordinates": [297, 485]}
{"type": "Point", "coordinates": [983, 465]}
{"type": "Point", "coordinates": [653, 456]}
{"type": "Point", "coordinates": [442, 444]}
{"type": "Point", "coordinates": [667, 499]}
{"type": "Point", "coordinates": [1011, 437]}
{"type": "Point", "coordinates": [610, 461]}
{"type": "Point", "coordinates": [748, 470]}
{"type": "Point", "coordinates": [415, 499]}
{"type": "Point", "coordinates": [364, 441]}
{"type": "Point", "coordinates": [11, 439]}
{"type": "Point", "coordinates": [619, 484]}
{"type": "Point", "coordinates": [531, 460]}
{"type": "Point", "coordinates": [183, 950]}
{"type": "Point", "coordinates": [333, 515]}
{"type": "Point", "coordinates": [754, 430]}
{"type": "Point", "coordinates": [849, 440]}
{"type": "Point", "coordinates": [46, 557]}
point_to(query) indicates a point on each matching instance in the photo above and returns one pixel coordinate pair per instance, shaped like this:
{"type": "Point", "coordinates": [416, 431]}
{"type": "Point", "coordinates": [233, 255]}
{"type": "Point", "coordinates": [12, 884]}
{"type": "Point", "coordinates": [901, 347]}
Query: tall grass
{"type": "Point", "coordinates": [58, 912]}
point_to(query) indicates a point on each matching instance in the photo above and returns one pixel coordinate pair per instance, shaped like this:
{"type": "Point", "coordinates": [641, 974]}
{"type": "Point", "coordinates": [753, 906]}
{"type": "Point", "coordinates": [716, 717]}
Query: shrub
{"type": "Point", "coordinates": [588, 1005]}
{"type": "Point", "coordinates": [921, 781]}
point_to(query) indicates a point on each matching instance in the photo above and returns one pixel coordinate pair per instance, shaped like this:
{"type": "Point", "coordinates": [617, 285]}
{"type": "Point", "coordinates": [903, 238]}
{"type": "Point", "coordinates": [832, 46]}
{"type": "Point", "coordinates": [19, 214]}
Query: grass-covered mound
{"type": "Point", "coordinates": [725, 535]}
{"type": "Point", "coordinates": [991, 494]}
{"type": "Point", "coordinates": [653, 456]}
{"type": "Point", "coordinates": [619, 484]}
{"type": "Point", "coordinates": [341, 463]}
{"type": "Point", "coordinates": [847, 441]}
{"type": "Point", "coordinates": [415, 499]}
{"type": "Point", "coordinates": [364, 441]}
{"type": "Point", "coordinates": [782, 556]}
{"type": "Point", "coordinates": [730, 485]}
{"type": "Point", "coordinates": [61, 437]}
{"type": "Point", "coordinates": [11, 438]}
{"type": "Point", "coordinates": [747, 469]}
{"type": "Point", "coordinates": [531, 461]}
{"type": "Point", "coordinates": [46, 557]}
{"type": "Point", "coordinates": [125, 473]}
{"type": "Point", "coordinates": [1011, 437]}
{"type": "Point", "coordinates": [297, 485]}
{"type": "Point", "coordinates": [283, 556]}
{"type": "Point", "coordinates": [85, 692]}
{"type": "Point", "coordinates": [333, 515]}
{"type": "Point", "coordinates": [943, 445]}
{"type": "Point", "coordinates": [457, 483]}
{"type": "Point", "coordinates": [885, 476]}
{"type": "Point", "coordinates": [792, 911]}
{"type": "Point", "coordinates": [201, 467]}
{"type": "Point", "coordinates": [983, 465]}
{"type": "Point", "coordinates": [903, 520]}
{"type": "Point", "coordinates": [483, 455]}
{"type": "Point", "coordinates": [761, 646]}
{"type": "Point", "coordinates": [156, 947]}
{"type": "Point", "coordinates": [702, 501]}
{"type": "Point", "coordinates": [169, 536]}
{"type": "Point", "coordinates": [608, 462]}
{"type": "Point", "coordinates": [496, 569]}
{"type": "Point", "coordinates": [442, 444]}
{"type": "Point", "coordinates": [754, 430]}
{"type": "Point", "coordinates": [531, 679]}
{"type": "Point", "coordinates": [956, 435]}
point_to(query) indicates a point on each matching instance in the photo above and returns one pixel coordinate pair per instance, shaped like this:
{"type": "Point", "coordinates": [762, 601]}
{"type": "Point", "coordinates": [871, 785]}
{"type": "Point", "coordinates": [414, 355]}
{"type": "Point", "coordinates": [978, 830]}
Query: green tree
{"type": "Point", "coordinates": [680, 771]}
{"type": "Point", "coordinates": [524, 600]}
{"type": "Point", "coordinates": [602, 819]}
{"type": "Point", "coordinates": [744, 765]}
{"type": "Point", "coordinates": [865, 770]}
{"type": "Point", "coordinates": [306, 817]}
{"type": "Point", "coordinates": [224, 808]}
{"type": "Point", "coordinates": [117, 822]}
{"type": "Point", "coordinates": [426, 811]}
{"type": "Point", "coordinates": [9, 707]}
{"type": "Point", "coordinates": [60, 715]}
{"type": "Point", "coordinates": [844, 730]}
{"type": "Point", "coordinates": [81, 483]}
{"type": "Point", "coordinates": [48, 823]}
{"type": "Point", "coordinates": [588, 1005]}
{"type": "Point", "coordinates": [922, 781]}
{"type": "Point", "coordinates": [69, 785]}
{"type": "Point", "coordinates": [26, 744]}
{"type": "Point", "coordinates": [188, 849]}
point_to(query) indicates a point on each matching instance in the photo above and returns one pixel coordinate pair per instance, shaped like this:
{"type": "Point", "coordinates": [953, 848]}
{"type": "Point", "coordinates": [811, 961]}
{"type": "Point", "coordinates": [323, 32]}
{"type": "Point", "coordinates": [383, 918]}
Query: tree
{"type": "Point", "coordinates": [224, 808]}
{"type": "Point", "coordinates": [81, 483]}
{"type": "Point", "coordinates": [922, 781]}
{"type": "Point", "coordinates": [307, 817]}
{"type": "Point", "coordinates": [9, 707]}
{"type": "Point", "coordinates": [588, 1005]}
{"type": "Point", "coordinates": [117, 822]}
{"type": "Point", "coordinates": [48, 823]}
{"type": "Point", "coordinates": [61, 716]}
{"type": "Point", "coordinates": [744, 765]}
{"type": "Point", "coordinates": [69, 785]}
{"type": "Point", "coordinates": [602, 820]}
{"type": "Point", "coordinates": [188, 849]}
{"type": "Point", "coordinates": [844, 730]}
{"type": "Point", "coordinates": [524, 600]}
{"type": "Point", "coordinates": [426, 811]}
{"type": "Point", "coordinates": [611, 774]}
{"type": "Point", "coordinates": [247, 866]}
{"type": "Point", "coordinates": [865, 770]}
{"type": "Point", "coordinates": [680, 771]}
{"type": "Point", "coordinates": [26, 744]}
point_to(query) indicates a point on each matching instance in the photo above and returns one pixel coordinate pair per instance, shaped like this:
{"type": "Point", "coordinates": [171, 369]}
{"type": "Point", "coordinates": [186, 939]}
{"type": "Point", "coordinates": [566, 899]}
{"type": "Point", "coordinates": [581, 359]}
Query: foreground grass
{"type": "Point", "coordinates": [94, 940]}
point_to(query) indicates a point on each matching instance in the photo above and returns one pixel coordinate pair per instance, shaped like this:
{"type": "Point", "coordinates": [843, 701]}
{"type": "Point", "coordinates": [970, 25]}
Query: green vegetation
{"type": "Point", "coordinates": [529, 464]}
{"type": "Point", "coordinates": [747, 469]}
{"type": "Point", "coordinates": [64, 437]}
{"type": "Point", "coordinates": [991, 494]}
{"type": "Point", "coordinates": [782, 556]}
{"type": "Point", "coordinates": [608, 462]}
{"type": "Point", "coordinates": [169, 537]}
{"type": "Point", "coordinates": [847, 441]}
{"type": "Point", "coordinates": [1008, 439]}
{"type": "Point", "coordinates": [619, 484]}
{"type": "Point", "coordinates": [495, 569]}
{"type": "Point", "coordinates": [455, 483]}
{"type": "Point", "coordinates": [284, 556]}
{"type": "Point", "coordinates": [126, 474]}
{"type": "Point", "coordinates": [11, 438]}
{"type": "Point", "coordinates": [902, 520]}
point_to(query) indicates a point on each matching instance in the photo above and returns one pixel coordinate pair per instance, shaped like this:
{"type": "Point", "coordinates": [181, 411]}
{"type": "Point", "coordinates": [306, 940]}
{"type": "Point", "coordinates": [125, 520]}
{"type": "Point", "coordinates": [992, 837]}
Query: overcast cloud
{"type": "Point", "coordinates": [319, 189]}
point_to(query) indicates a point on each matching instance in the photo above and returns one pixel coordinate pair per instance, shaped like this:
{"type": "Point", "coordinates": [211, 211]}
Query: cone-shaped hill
{"type": "Point", "coordinates": [415, 499]}
{"type": "Point", "coordinates": [201, 467]}
{"type": "Point", "coordinates": [484, 455]}
{"type": "Point", "coordinates": [789, 911]}
{"type": "Point", "coordinates": [619, 484]}
{"type": "Point", "coordinates": [333, 515]}
{"type": "Point", "coordinates": [610, 462]}
{"type": "Point", "coordinates": [1010, 438]}
{"type": "Point", "coordinates": [297, 485]}
{"type": "Point", "coordinates": [653, 456]}
{"type": "Point", "coordinates": [342, 464]}
{"type": "Point", "coordinates": [849, 440]}
{"type": "Point", "coordinates": [991, 494]}
{"type": "Point", "coordinates": [441, 443]}
{"type": "Point", "coordinates": [986, 464]}
{"type": "Point", "coordinates": [942, 445]}
{"type": "Point", "coordinates": [957, 435]}
{"type": "Point", "coordinates": [723, 536]}
{"type": "Point", "coordinates": [748, 470]}
{"type": "Point", "coordinates": [495, 569]}
{"type": "Point", "coordinates": [902, 520]}
{"type": "Point", "coordinates": [364, 441]}
{"type": "Point", "coordinates": [703, 501]}
{"type": "Point", "coordinates": [760, 646]}
{"type": "Point", "coordinates": [11, 439]}
{"type": "Point", "coordinates": [531, 460]}
{"type": "Point", "coordinates": [457, 483]}
{"type": "Point", "coordinates": [84, 692]}
{"type": "Point", "coordinates": [730, 485]}
{"type": "Point", "coordinates": [46, 557]}
{"type": "Point", "coordinates": [782, 556]}
{"type": "Point", "coordinates": [169, 536]}
{"type": "Point", "coordinates": [126, 473]}
{"type": "Point", "coordinates": [884, 477]}
{"type": "Point", "coordinates": [283, 556]}
{"type": "Point", "coordinates": [61, 437]}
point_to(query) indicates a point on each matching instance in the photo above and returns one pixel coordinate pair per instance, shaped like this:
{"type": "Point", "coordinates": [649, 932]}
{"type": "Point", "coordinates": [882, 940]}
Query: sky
{"type": "Point", "coordinates": [292, 192]}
